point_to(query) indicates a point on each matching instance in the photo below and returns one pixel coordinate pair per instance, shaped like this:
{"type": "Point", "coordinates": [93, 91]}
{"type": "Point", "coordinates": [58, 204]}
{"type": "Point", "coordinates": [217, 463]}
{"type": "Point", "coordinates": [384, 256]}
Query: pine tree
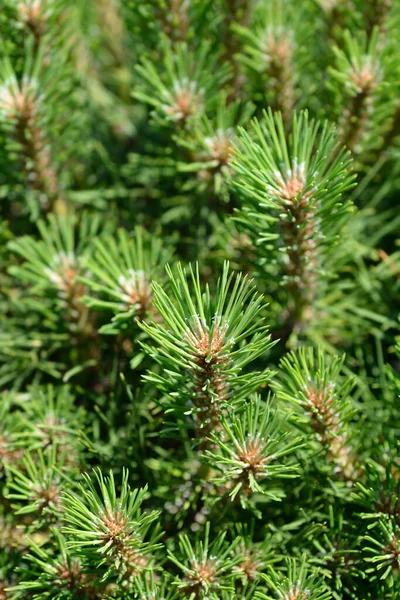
{"type": "Point", "coordinates": [199, 342]}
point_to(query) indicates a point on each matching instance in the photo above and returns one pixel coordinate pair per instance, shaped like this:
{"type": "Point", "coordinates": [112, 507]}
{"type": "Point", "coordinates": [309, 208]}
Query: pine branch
{"type": "Point", "coordinates": [299, 583]}
{"type": "Point", "coordinates": [21, 107]}
{"type": "Point", "coordinates": [313, 387]}
{"type": "Point", "coordinates": [272, 55]}
{"type": "Point", "coordinates": [251, 453]}
{"type": "Point", "coordinates": [360, 71]}
{"type": "Point", "coordinates": [121, 271]}
{"type": "Point", "coordinates": [204, 345]}
{"type": "Point", "coordinates": [207, 568]}
{"type": "Point", "coordinates": [292, 187]}
{"type": "Point", "coordinates": [108, 530]}
{"type": "Point", "coordinates": [183, 90]}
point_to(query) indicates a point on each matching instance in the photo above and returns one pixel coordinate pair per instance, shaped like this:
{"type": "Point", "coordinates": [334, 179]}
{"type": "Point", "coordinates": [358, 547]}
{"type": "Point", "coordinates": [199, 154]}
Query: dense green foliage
{"type": "Point", "coordinates": [199, 355]}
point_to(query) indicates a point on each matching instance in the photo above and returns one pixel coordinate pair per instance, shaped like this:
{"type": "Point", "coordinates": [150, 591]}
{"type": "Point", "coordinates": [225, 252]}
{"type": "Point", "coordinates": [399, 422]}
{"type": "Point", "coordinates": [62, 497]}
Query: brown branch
{"type": "Point", "coordinates": [299, 230]}
{"type": "Point", "coordinates": [209, 380]}
{"type": "Point", "coordinates": [355, 117]}
{"type": "Point", "coordinates": [237, 11]}
{"type": "Point", "coordinates": [37, 164]}
{"type": "Point", "coordinates": [326, 423]}
{"type": "Point", "coordinates": [175, 20]}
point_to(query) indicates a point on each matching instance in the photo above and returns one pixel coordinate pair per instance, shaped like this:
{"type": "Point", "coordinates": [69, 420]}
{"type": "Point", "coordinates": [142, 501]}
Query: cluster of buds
{"type": "Point", "coordinates": [51, 432]}
{"type": "Point", "coordinates": [393, 551]}
{"type": "Point", "coordinates": [202, 576]}
{"type": "Point", "coordinates": [381, 490]}
{"type": "Point", "coordinates": [252, 562]}
{"type": "Point", "coordinates": [47, 496]}
{"type": "Point", "coordinates": [323, 409]}
{"type": "Point", "coordinates": [136, 292]}
{"type": "Point", "coordinates": [250, 450]}
{"type": "Point", "coordinates": [219, 148]}
{"type": "Point", "coordinates": [254, 456]}
{"type": "Point", "coordinates": [111, 526]}
{"type": "Point", "coordinates": [184, 101]}
{"type": "Point", "coordinates": [206, 568]}
{"type": "Point", "coordinates": [289, 186]}
{"type": "Point", "coordinates": [63, 274]}
{"type": "Point", "coordinates": [35, 15]}
{"type": "Point", "coordinates": [69, 575]}
{"type": "Point", "coordinates": [365, 77]}
{"type": "Point", "coordinates": [389, 495]}
{"type": "Point", "coordinates": [208, 342]}
{"type": "Point", "coordinates": [218, 153]}
{"type": "Point", "coordinates": [384, 549]}
{"type": "Point", "coordinates": [20, 103]}
{"type": "Point", "coordinates": [311, 384]}
{"type": "Point", "coordinates": [37, 486]}
{"type": "Point", "coordinates": [117, 533]}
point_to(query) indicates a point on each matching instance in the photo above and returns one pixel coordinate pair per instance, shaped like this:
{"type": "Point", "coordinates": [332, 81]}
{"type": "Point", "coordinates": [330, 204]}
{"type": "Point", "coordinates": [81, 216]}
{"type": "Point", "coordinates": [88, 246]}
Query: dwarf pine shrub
{"type": "Point", "coordinates": [200, 292]}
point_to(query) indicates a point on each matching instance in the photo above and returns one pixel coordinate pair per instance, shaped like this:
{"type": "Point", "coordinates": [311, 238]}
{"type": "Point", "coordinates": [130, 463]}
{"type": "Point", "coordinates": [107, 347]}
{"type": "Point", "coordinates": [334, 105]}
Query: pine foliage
{"type": "Point", "coordinates": [199, 300]}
